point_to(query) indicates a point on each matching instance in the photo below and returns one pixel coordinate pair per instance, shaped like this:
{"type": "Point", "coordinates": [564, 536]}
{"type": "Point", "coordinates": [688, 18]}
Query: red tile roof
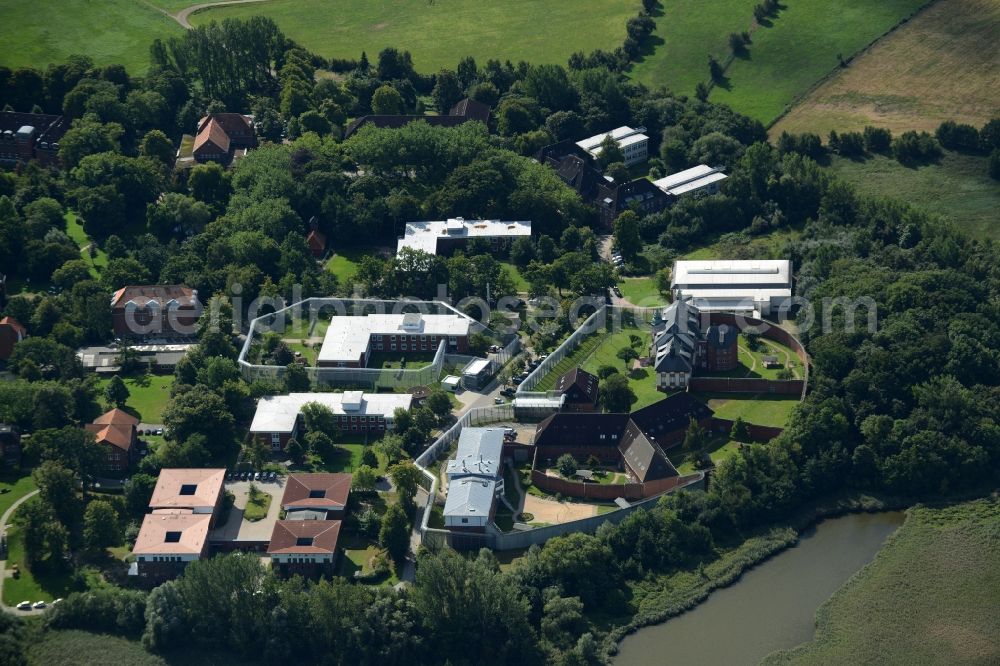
{"type": "Point", "coordinates": [15, 325]}
{"type": "Point", "coordinates": [317, 537]}
{"type": "Point", "coordinates": [212, 134]}
{"type": "Point", "coordinates": [187, 488]}
{"type": "Point", "coordinates": [160, 293]}
{"type": "Point", "coordinates": [115, 435]}
{"type": "Point", "coordinates": [172, 534]}
{"type": "Point", "coordinates": [116, 417]}
{"type": "Point", "coordinates": [317, 491]}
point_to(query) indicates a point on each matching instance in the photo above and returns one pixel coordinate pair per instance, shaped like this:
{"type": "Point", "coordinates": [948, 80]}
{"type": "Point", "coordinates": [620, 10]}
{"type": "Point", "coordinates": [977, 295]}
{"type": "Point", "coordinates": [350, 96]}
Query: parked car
{"type": "Point", "coordinates": [499, 401]}
{"type": "Point", "coordinates": [618, 292]}
{"type": "Point", "coordinates": [57, 601]}
{"type": "Point", "coordinates": [543, 357]}
{"type": "Point", "coordinates": [508, 392]}
{"type": "Point", "coordinates": [517, 380]}
{"type": "Point", "coordinates": [159, 431]}
{"type": "Point", "coordinates": [495, 348]}
{"type": "Point", "coordinates": [24, 605]}
{"type": "Point", "coordinates": [38, 605]}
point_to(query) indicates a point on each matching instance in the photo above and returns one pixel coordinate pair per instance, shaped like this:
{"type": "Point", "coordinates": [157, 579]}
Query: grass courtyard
{"type": "Point", "coordinates": [642, 292]}
{"type": "Point", "coordinates": [15, 486]}
{"type": "Point", "coordinates": [441, 33]}
{"type": "Point", "coordinates": [762, 409]}
{"type": "Point", "coordinates": [148, 395]}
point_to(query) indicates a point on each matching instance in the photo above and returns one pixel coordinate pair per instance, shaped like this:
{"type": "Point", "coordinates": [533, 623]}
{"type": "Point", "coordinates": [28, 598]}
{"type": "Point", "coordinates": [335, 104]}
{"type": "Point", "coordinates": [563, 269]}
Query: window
{"type": "Point", "coordinates": [465, 520]}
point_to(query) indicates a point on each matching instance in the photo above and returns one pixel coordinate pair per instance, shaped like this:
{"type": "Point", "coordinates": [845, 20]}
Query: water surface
{"type": "Point", "coordinates": [772, 607]}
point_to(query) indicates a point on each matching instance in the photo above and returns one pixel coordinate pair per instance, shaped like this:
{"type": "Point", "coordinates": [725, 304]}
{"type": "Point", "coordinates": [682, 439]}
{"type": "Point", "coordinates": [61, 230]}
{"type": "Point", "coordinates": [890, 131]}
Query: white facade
{"type": "Point", "coordinates": [746, 285]}
{"type": "Point", "coordinates": [701, 179]}
{"type": "Point", "coordinates": [632, 142]}
{"type": "Point", "coordinates": [280, 413]}
{"type": "Point", "coordinates": [349, 339]}
{"type": "Point", "coordinates": [426, 235]}
{"type": "Point", "coordinates": [469, 503]}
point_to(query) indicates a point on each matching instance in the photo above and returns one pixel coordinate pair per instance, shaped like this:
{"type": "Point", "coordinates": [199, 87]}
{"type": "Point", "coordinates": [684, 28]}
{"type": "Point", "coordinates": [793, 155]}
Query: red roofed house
{"type": "Point", "coordinates": [11, 332]}
{"type": "Point", "coordinates": [194, 490]}
{"type": "Point", "coordinates": [168, 541]}
{"type": "Point", "coordinates": [116, 431]}
{"type": "Point", "coordinates": [221, 134]}
{"type": "Point", "coordinates": [316, 240]}
{"type": "Point", "coordinates": [155, 311]}
{"type": "Point", "coordinates": [304, 547]}
{"type": "Point", "coordinates": [322, 492]}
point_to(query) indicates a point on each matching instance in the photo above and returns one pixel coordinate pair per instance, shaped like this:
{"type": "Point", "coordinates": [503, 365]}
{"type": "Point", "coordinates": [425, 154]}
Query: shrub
{"type": "Point", "coordinates": [877, 139]}
{"type": "Point", "coordinates": [911, 147]}
{"type": "Point", "coordinates": [961, 137]}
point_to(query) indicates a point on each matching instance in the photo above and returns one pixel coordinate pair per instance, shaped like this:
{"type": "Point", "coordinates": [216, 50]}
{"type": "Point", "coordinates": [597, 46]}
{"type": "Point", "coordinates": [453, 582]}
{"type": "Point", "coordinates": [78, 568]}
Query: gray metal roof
{"type": "Point", "coordinates": [470, 496]}
{"type": "Point", "coordinates": [479, 453]}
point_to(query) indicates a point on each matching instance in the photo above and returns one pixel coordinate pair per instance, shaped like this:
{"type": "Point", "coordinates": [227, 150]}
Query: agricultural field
{"type": "Point", "coordinates": [86, 649]}
{"type": "Point", "coordinates": [940, 65]}
{"type": "Point", "coordinates": [38, 33]}
{"type": "Point", "coordinates": [957, 188]}
{"type": "Point", "coordinates": [930, 596]}
{"type": "Point", "coordinates": [439, 33]}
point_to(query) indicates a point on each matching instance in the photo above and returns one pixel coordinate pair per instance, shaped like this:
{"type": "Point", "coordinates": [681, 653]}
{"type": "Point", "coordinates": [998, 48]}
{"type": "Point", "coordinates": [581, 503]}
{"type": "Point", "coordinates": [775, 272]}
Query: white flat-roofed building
{"type": "Point", "coordinates": [442, 236]}
{"type": "Point", "coordinates": [702, 179]}
{"type": "Point", "coordinates": [470, 504]}
{"type": "Point", "coordinates": [743, 285]}
{"type": "Point", "coordinates": [477, 373]}
{"type": "Point", "coordinates": [277, 418]}
{"type": "Point", "coordinates": [632, 142]}
{"type": "Point", "coordinates": [479, 453]}
{"type": "Point", "coordinates": [349, 341]}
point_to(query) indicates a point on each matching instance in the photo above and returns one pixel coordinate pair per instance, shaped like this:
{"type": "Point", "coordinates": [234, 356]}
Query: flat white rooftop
{"type": "Point", "coordinates": [727, 273]}
{"type": "Point", "coordinates": [278, 413]}
{"type": "Point", "coordinates": [347, 337]}
{"type": "Point", "coordinates": [690, 179]}
{"type": "Point", "coordinates": [425, 235]}
{"type": "Point", "coordinates": [623, 135]}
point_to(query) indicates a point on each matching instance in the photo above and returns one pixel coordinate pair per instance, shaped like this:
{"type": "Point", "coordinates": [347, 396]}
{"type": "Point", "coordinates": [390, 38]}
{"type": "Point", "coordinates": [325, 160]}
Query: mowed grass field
{"type": "Point", "coordinates": [957, 188]}
{"type": "Point", "coordinates": [940, 65]}
{"type": "Point", "coordinates": [800, 48]}
{"type": "Point", "coordinates": [439, 33]}
{"type": "Point", "coordinates": [929, 597]}
{"type": "Point", "coordinates": [686, 32]}
{"type": "Point", "coordinates": [35, 34]}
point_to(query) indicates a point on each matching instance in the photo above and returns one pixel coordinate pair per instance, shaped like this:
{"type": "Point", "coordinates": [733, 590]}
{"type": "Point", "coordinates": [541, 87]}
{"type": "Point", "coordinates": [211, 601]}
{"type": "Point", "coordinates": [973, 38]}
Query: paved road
{"type": "Point", "coordinates": [183, 15]}
{"type": "Point", "coordinates": [4, 573]}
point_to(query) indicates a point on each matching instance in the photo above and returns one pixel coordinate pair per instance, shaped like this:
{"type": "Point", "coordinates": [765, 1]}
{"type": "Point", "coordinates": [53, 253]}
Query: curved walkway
{"type": "Point", "coordinates": [4, 573]}
{"type": "Point", "coordinates": [183, 15]}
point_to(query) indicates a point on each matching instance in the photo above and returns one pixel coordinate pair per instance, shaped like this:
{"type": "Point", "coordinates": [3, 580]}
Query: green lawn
{"type": "Point", "coordinates": [642, 292]}
{"type": "Point", "coordinates": [258, 504]}
{"type": "Point", "coordinates": [439, 33]}
{"type": "Point", "coordinates": [309, 353]}
{"type": "Point", "coordinates": [762, 409]}
{"type": "Point", "coordinates": [17, 487]}
{"type": "Point", "coordinates": [929, 597]}
{"type": "Point", "coordinates": [686, 32]}
{"type": "Point", "coordinates": [29, 586]}
{"type": "Point", "coordinates": [344, 264]}
{"type": "Point", "coordinates": [515, 273]}
{"type": "Point", "coordinates": [394, 360]}
{"type": "Point", "coordinates": [957, 188]}
{"type": "Point", "coordinates": [720, 448]}
{"type": "Point", "coordinates": [74, 229]}
{"type": "Point", "coordinates": [35, 34]}
{"type": "Point", "coordinates": [800, 48]}
{"type": "Point", "coordinates": [148, 395]}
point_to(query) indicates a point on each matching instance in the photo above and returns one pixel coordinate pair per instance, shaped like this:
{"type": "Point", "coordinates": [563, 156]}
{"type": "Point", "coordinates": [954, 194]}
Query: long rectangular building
{"type": "Point", "coordinates": [701, 179]}
{"type": "Point", "coordinates": [743, 285]}
{"type": "Point", "coordinates": [349, 341]}
{"type": "Point", "coordinates": [443, 236]}
{"type": "Point", "coordinates": [632, 142]}
{"type": "Point", "coordinates": [278, 417]}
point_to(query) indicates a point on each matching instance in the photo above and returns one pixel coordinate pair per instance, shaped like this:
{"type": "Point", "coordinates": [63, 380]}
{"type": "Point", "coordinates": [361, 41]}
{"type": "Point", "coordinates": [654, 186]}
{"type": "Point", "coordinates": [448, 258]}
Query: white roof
{"type": "Point", "coordinates": [476, 366]}
{"type": "Point", "coordinates": [451, 380]}
{"type": "Point", "coordinates": [347, 337]}
{"type": "Point", "coordinates": [479, 453]}
{"type": "Point", "coordinates": [690, 179]}
{"type": "Point", "coordinates": [593, 144]}
{"type": "Point", "coordinates": [278, 413]}
{"type": "Point", "coordinates": [725, 273]}
{"type": "Point", "coordinates": [470, 497]}
{"type": "Point", "coordinates": [424, 235]}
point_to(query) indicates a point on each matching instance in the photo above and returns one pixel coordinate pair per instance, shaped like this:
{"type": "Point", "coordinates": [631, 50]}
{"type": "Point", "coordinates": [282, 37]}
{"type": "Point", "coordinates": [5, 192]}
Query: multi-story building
{"type": "Point", "coordinates": [278, 418]}
{"type": "Point", "coordinates": [632, 142]}
{"type": "Point", "coordinates": [445, 236]}
{"type": "Point", "coordinates": [681, 345]}
{"type": "Point", "coordinates": [746, 285]}
{"type": "Point", "coordinates": [221, 136]}
{"type": "Point", "coordinates": [116, 431]}
{"type": "Point", "coordinates": [30, 136]}
{"type": "Point", "coordinates": [306, 548]}
{"type": "Point", "coordinates": [350, 341]}
{"type": "Point", "coordinates": [318, 494]}
{"type": "Point", "coordinates": [155, 311]}
{"type": "Point", "coordinates": [475, 479]}
{"type": "Point", "coordinates": [701, 179]}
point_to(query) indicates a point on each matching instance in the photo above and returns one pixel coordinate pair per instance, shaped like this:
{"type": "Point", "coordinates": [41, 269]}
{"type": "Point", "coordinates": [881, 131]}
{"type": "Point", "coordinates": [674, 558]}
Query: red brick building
{"type": "Point", "coordinates": [155, 311]}
{"type": "Point", "coordinates": [581, 390]}
{"type": "Point", "coordinates": [116, 431]}
{"type": "Point", "coordinates": [220, 135]}
{"type": "Point", "coordinates": [322, 493]}
{"type": "Point", "coordinates": [30, 136]}
{"type": "Point", "coordinates": [11, 332]}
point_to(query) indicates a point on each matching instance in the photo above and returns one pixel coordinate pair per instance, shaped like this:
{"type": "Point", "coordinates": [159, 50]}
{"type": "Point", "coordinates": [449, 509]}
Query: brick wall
{"type": "Point", "coordinates": [792, 387]}
{"type": "Point", "coordinates": [597, 491]}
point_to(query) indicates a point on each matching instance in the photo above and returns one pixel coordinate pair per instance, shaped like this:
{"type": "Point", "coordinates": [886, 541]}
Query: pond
{"type": "Point", "coordinates": [773, 606]}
